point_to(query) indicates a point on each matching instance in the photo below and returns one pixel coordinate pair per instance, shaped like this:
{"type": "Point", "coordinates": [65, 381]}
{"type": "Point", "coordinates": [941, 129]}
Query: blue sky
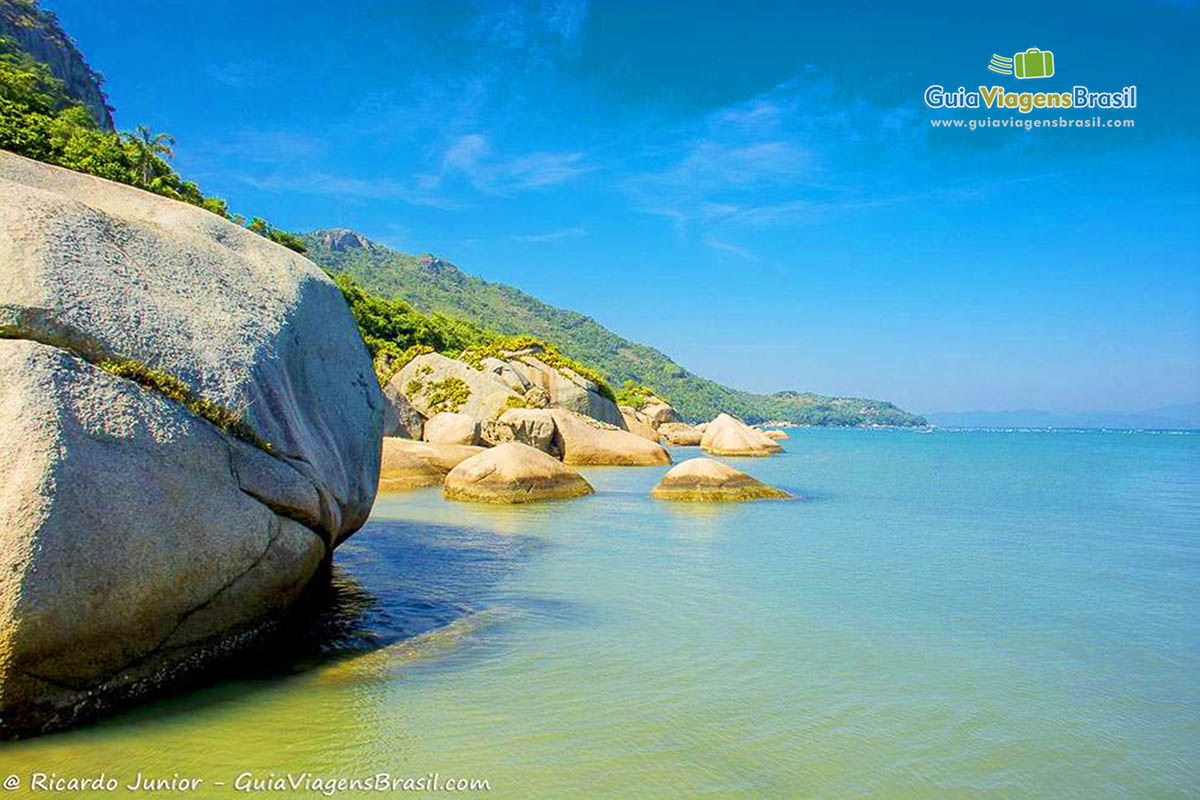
{"type": "Point", "coordinates": [756, 190]}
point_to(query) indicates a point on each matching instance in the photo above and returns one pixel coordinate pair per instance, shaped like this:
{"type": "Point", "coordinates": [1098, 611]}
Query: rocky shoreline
{"type": "Point", "coordinates": [193, 424]}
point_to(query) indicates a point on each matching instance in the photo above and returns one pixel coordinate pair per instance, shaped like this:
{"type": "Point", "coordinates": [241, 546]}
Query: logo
{"type": "Point", "coordinates": [1033, 63]}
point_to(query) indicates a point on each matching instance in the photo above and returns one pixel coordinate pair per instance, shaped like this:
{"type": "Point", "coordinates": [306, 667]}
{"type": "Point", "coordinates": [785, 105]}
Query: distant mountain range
{"type": "Point", "coordinates": [430, 283]}
{"type": "Point", "coordinates": [1186, 416]}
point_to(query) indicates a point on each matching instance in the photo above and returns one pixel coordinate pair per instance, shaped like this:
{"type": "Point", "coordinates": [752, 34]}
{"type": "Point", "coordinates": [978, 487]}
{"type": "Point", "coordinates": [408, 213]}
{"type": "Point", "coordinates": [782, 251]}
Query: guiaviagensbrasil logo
{"type": "Point", "coordinates": [1033, 63]}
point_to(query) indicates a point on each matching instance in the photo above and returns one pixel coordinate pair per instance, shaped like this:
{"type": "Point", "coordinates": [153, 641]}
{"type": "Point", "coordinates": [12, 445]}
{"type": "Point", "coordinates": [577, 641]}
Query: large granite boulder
{"type": "Point", "coordinates": [566, 388]}
{"type": "Point", "coordinates": [190, 423]}
{"type": "Point", "coordinates": [449, 427]}
{"type": "Point", "coordinates": [706, 480]}
{"type": "Point", "coordinates": [514, 473]}
{"type": "Point", "coordinates": [586, 442]}
{"type": "Point", "coordinates": [637, 427]}
{"type": "Point", "coordinates": [503, 372]}
{"type": "Point", "coordinates": [776, 434]}
{"type": "Point", "coordinates": [657, 411]}
{"type": "Point", "coordinates": [434, 383]}
{"type": "Point", "coordinates": [680, 434]}
{"type": "Point", "coordinates": [728, 436]}
{"type": "Point", "coordinates": [411, 465]}
{"type": "Point", "coordinates": [534, 427]}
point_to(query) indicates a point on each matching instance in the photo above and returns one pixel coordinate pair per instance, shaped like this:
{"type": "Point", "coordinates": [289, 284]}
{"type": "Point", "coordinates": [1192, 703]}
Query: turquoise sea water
{"type": "Point", "coordinates": [946, 615]}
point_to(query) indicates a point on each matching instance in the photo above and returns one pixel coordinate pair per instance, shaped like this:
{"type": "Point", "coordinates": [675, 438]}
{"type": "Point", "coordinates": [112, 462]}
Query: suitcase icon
{"type": "Point", "coordinates": [1033, 63]}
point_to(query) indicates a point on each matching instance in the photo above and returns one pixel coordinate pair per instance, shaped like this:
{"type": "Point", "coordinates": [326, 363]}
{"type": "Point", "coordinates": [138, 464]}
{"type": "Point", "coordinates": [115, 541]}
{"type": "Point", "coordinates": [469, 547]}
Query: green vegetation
{"type": "Point", "coordinates": [177, 390]}
{"type": "Point", "coordinates": [548, 354]}
{"type": "Point", "coordinates": [448, 394]}
{"type": "Point", "coordinates": [439, 289]}
{"type": "Point", "coordinates": [395, 333]}
{"type": "Point", "coordinates": [635, 395]}
{"type": "Point", "coordinates": [40, 121]}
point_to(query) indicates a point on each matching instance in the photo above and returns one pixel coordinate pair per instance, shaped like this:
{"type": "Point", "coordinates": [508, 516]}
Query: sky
{"type": "Point", "coordinates": [755, 189]}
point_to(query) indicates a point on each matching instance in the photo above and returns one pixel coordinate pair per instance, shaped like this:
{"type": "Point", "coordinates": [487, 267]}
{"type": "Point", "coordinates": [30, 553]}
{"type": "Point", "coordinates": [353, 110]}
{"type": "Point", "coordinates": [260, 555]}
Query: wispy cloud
{"type": "Point", "coordinates": [775, 159]}
{"type": "Point", "coordinates": [325, 184]}
{"type": "Point", "coordinates": [471, 157]}
{"type": "Point", "coordinates": [538, 32]}
{"type": "Point", "coordinates": [545, 238]}
{"type": "Point", "coordinates": [726, 247]}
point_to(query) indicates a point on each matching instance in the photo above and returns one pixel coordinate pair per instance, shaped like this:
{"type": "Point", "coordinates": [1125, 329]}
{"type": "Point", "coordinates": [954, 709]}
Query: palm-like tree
{"type": "Point", "coordinates": [149, 145]}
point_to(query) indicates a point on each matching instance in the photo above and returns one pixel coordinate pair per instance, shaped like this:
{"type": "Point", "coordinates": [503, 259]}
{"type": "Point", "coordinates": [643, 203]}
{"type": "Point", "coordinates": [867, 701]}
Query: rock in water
{"type": "Point", "coordinates": [411, 465]}
{"type": "Point", "coordinates": [706, 480]}
{"type": "Point", "coordinates": [451, 428]}
{"type": "Point", "coordinates": [776, 435]}
{"type": "Point", "coordinates": [680, 434]}
{"type": "Point", "coordinates": [586, 442]}
{"type": "Point", "coordinates": [514, 473]}
{"type": "Point", "coordinates": [727, 436]}
{"type": "Point", "coordinates": [190, 423]}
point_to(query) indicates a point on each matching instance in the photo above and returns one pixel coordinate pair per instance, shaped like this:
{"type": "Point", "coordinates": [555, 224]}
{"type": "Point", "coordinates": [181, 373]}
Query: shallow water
{"type": "Point", "coordinates": [952, 615]}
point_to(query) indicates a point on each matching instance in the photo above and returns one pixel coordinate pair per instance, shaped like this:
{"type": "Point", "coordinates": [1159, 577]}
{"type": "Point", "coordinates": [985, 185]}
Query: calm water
{"type": "Point", "coordinates": [954, 615]}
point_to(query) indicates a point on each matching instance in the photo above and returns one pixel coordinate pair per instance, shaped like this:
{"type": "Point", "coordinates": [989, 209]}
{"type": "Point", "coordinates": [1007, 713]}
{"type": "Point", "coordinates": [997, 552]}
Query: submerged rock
{"type": "Point", "coordinates": [514, 473]}
{"type": "Point", "coordinates": [584, 441]}
{"type": "Point", "coordinates": [190, 424]}
{"type": "Point", "coordinates": [411, 465]}
{"type": "Point", "coordinates": [727, 436]}
{"type": "Point", "coordinates": [706, 480]}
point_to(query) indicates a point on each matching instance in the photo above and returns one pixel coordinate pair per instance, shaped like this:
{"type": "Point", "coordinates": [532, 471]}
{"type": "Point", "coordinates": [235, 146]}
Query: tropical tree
{"type": "Point", "coordinates": [149, 146]}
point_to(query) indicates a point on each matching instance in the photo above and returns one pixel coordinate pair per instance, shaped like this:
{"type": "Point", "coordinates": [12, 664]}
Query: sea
{"type": "Point", "coordinates": [945, 614]}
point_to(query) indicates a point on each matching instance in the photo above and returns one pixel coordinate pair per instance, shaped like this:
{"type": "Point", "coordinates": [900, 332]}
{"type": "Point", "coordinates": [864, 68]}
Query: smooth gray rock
{"type": "Point", "coordinates": [399, 416]}
{"type": "Point", "coordinates": [137, 538]}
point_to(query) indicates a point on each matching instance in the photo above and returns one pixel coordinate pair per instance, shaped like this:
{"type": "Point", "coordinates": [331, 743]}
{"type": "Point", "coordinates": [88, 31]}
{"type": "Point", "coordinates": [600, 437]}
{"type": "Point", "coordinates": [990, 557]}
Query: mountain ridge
{"type": "Point", "coordinates": [430, 283]}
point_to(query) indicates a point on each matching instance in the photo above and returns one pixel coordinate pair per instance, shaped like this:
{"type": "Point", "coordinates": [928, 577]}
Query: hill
{"type": "Point", "coordinates": [38, 33]}
{"type": "Point", "coordinates": [431, 284]}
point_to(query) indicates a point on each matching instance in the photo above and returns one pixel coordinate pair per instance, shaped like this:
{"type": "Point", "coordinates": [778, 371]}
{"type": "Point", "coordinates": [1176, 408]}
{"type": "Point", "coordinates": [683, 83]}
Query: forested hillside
{"type": "Point", "coordinates": [432, 284]}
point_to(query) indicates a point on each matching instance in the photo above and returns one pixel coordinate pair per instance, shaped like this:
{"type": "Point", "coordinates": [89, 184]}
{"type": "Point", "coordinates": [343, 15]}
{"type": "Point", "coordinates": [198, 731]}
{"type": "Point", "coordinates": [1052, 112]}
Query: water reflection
{"type": "Point", "coordinates": [393, 582]}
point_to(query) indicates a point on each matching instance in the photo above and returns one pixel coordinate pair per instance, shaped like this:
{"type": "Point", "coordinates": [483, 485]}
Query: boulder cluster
{"type": "Point", "coordinates": [512, 429]}
{"type": "Point", "coordinates": [466, 414]}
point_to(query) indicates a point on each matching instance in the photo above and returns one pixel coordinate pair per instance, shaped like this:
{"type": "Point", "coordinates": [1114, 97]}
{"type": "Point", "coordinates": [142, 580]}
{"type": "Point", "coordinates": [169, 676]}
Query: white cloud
{"type": "Point", "coordinates": [553, 236]}
{"type": "Point", "coordinates": [471, 156]}
{"type": "Point", "coordinates": [726, 247]}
